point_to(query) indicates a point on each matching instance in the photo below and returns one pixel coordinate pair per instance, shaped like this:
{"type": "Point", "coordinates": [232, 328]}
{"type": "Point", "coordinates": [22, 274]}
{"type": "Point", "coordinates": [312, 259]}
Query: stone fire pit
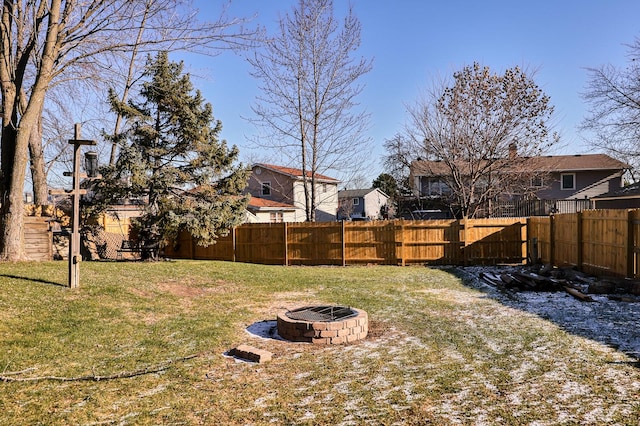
{"type": "Point", "coordinates": [323, 324]}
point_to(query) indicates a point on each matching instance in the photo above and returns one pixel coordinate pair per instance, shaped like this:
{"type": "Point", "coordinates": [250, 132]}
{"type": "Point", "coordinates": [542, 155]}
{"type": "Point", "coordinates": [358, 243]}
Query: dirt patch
{"type": "Point", "coordinates": [377, 329]}
{"type": "Point", "coordinates": [195, 289]}
{"type": "Point", "coordinates": [181, 290]}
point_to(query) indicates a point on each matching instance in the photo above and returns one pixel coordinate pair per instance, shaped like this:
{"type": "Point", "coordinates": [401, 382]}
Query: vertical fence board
{"type": "Point", "coordinates": [370, 242]}
{"type": "Point", "coordinates": [431, 241]}
{"type": "Point", "coordinates": [260, 243]}
{"type": "Point", "coordinates": [315, 243]}
{"type": "Point", "coordinates": [495, 240]}
{"type": "Point", "coordinates": [604, 241]}
{"type": "Point", "coordinates": [565, 239]}
{"type": "Point", "coordinates": [539, 227]}
{"type": "Point", "coordinates": [222, 249]}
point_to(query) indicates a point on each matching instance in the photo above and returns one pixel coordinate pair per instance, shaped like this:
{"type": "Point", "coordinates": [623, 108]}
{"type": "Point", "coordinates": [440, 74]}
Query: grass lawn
{"type": "Point", "coordinates": [438, 352]}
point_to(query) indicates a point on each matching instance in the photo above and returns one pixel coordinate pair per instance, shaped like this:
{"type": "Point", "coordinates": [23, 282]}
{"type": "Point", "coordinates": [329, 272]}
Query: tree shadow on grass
{"type": "Point", "coordinates": [35, 280]}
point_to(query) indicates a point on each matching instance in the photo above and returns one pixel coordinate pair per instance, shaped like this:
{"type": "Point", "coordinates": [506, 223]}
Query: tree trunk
{"type": "Point", "coordinates": [38, 167]}
{"type": "Point", "coordinates": [12, 209]}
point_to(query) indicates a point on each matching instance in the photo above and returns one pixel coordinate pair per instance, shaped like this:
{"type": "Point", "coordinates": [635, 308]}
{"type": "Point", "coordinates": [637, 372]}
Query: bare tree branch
{"type": "Point", "coordinates": [309, 85]}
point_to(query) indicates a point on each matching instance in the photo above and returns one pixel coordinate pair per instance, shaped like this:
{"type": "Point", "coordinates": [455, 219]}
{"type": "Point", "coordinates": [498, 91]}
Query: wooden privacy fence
{"type": "Point", "coordinates": [455, 242]}
{"type": "Point", "coordinates": [601, 242]}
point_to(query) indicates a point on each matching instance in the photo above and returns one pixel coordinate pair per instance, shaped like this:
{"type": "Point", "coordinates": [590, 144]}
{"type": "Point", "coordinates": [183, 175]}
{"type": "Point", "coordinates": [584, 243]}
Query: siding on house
{"type": "Point", "coordinates": [369, 203]}
{"type": "Point", "coordinates": [594, 174]}
{"type": "Point", "coordinates": [286, 186]}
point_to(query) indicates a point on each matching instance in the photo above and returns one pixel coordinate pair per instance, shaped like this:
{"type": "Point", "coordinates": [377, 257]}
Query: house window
{"type": "Point", "coordinates": [356, 201]}
{"type": "Point", "coordinates": [436, 187]}
{"type": "Point", "coordinates": [536, 182]}
{"type": "Point", "coordinates": [567, 181]}
{"type": "Point", "coordinates": [324, 187]}
{"type": "Point", "coordinates": [276, 217]}
{"type": "Point", "coordinates": [266, 188]}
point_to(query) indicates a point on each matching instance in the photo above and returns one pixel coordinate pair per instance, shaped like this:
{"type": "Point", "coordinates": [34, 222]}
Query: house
{"type": "Point", "coordinates": [359, 204]}
{"type": "Point", "coordinates": [627, 197]}
{"type": "Point", "coordinates": [262, 210]}
{"type": "Point", "coordinates": [560, 183]}
{"type": "Point", "coordinates": [279, 192]}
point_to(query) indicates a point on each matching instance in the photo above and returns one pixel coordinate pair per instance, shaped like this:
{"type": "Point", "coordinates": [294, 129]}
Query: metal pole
{"type": "Point", "coordinates": [74, 240]}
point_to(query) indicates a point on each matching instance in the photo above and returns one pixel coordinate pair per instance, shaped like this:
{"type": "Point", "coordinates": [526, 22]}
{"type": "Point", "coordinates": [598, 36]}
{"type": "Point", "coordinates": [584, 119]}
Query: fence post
{"type": "Point", "coordinates": [344, 249]}
{"type": "Point", "coordinates": [630, 245]}
{"type": "Point", "coordinates": [233, 244]}
{"type": "Point", "coordinates": [465, 253]}
{"type": "Point", "coordinates": [286, 243]}
{"type": "Point", "coordinates": [402, 254]}
{"type": "Point", "coordinates": [580, 242]}
{"type": "Point", "coordinates": [552, 240]}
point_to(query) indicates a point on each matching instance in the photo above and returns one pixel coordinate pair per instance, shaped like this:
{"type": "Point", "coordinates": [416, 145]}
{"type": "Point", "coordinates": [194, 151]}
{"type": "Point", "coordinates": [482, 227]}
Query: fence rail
{"type": "Point", "coordinates": [456, 242]}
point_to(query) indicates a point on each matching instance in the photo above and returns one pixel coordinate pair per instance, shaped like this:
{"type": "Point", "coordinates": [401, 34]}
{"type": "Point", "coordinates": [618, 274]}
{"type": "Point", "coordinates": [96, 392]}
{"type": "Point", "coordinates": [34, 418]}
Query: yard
{"type": "Point", "coordinates": [144, 343]}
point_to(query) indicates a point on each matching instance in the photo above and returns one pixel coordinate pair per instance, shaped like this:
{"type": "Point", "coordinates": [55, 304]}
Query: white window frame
{"type": "Point", "coordinates": [537, 179]}
{"type": "Point", "coordinates": [264, 185]}
{"type": "Point", "coordinates": [276, 217]}
{"type": "Point", "coordinates": [356, 201]}
{"type": "Point", "coordinates": [573, 179]}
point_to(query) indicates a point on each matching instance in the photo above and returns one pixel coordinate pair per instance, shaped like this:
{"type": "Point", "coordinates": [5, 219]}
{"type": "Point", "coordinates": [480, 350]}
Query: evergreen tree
{"type": "Point", "coordinates": [171, 158]}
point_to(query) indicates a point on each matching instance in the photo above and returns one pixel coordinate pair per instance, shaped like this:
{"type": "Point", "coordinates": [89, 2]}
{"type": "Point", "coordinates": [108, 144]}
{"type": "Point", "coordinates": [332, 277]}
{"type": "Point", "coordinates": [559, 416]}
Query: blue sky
{"type": "Point", "coordinates": [414, 41]}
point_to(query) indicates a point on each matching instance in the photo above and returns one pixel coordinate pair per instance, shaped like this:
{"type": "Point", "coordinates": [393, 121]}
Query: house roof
{"type": "Point", "coordinates": [550, 163]}
{"type": "Point", "coordinates": [358, 193]}
{"type": "Point", "coordinates": [295, 173]}
{"type": "Point", "coordinates": [257, 203]}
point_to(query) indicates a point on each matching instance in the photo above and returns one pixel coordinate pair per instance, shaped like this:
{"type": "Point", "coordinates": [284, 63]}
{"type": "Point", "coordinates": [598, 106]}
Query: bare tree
{"type": "Point", "coordinates": [613, 118]}
{"type": "Point", "coordinates": [309, 81]}
{"type": "Point", "coordinates": [397, 161]}
{"type": "Point", "coordinates": [43, 43]}
{"type": "Point", "coordinates": [473, 127]}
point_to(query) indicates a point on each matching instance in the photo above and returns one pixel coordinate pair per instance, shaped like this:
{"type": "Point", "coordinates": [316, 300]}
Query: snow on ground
{"type": "Point", "coordinates": [611, 322]}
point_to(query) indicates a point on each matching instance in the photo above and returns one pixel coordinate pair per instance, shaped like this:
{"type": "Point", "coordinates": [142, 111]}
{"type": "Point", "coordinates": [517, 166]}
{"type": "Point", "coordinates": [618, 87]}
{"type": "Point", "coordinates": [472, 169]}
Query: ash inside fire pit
{"type": "Point", "coordinates": [323, 324]}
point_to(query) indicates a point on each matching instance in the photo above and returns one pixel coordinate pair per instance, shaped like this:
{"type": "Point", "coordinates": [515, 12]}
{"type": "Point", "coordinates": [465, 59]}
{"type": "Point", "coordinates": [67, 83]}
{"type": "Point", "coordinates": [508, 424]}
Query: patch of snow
{"type": "Point", "coordinates": [606, 321]}
{"type": "Point", "coordinates": [264, 329]}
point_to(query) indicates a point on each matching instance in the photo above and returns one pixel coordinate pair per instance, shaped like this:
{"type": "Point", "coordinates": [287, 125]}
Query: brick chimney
{"type": "Point", "coordinates": [513, 150]}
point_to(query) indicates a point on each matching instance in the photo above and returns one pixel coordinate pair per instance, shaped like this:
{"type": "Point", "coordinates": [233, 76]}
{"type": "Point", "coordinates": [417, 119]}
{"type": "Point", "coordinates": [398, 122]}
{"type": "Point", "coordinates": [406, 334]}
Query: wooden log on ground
{"type": "Point", "coordinates": [578, 294]}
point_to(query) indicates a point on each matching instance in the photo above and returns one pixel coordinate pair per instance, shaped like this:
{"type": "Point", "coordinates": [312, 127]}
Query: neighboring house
{"type": "Point", "coordinates": [263, 210]}
{"type": "Point", "coordinates": [555, 179]}
{"type": "Point", "coordinates": [362, 204]}
{"type": "Point", "coordinates": [284, 185]}
{"type": "Point", "coordinates": [627, 197]}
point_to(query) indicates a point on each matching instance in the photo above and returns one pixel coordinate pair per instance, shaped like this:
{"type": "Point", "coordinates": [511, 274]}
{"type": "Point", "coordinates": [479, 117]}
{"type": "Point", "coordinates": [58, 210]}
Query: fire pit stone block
{"type": "Point", "coordinates": [347, 330]}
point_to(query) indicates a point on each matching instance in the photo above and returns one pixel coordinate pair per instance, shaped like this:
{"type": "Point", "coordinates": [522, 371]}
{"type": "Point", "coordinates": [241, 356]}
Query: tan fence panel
{"type": "Point", "coordinates": [262, 243]}
{"type": "Point", "coordinates": [605, 239]}
{"type": "Point", "coordinates": [429, 241]}
{"type": "Point", "coordinates": [566, 247]}
{"type": "Point", "coordinates": [370, 242]}
{"type": "Point", "coordinates": [182, 248]}
{"type": "Point", "coordinates": [382, 242]}
{"type": "Point", "coordinates": [539, 228]}
{"type": "Point", "coordinates": [495, 240]}
{"type": "Point", "coordinates": [314, 243]}
{"type": "Point", "coordinates": [222, 249]}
